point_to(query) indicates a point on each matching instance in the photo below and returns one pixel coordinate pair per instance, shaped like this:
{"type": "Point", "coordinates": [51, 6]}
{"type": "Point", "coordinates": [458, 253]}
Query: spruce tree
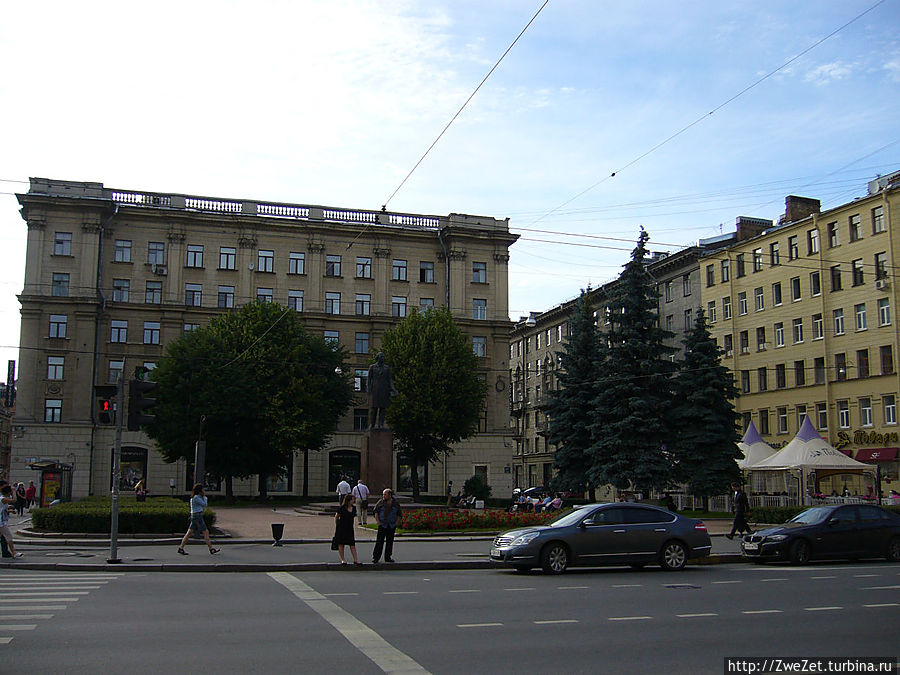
{"type": "Point", "coordinates": [632, 405]}
{"type": "Point", "coordinates": [706, 431]}
{"type": "Point", "coordinates": [570, 404]}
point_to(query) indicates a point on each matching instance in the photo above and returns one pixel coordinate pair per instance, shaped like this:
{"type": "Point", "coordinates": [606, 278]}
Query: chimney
{"type": "Point", "coordinates": [747, 227]}
{"type": "Point", "coordinates": [798, 208]}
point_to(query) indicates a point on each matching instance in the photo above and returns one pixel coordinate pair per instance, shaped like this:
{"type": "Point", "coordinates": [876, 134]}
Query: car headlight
{"type": "Point", "coordinates": [525, 539]}
{"type": "Point", "coordinates": [776, 537]}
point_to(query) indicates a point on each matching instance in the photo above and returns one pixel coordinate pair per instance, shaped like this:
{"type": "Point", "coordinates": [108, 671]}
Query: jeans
{"type": "Point", "coordinates": [385, 539]}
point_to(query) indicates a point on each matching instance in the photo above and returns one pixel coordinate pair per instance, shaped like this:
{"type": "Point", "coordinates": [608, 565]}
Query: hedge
{"type": "Point", "coordinates": [159, 515]}
{"type": "Point", "coordinates": [439, 520]}
{"type": "Point", "coordinates": [773, 515]}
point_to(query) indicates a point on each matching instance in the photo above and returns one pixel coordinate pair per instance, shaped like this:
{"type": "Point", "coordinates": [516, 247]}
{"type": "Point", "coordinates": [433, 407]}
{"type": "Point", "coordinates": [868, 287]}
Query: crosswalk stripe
{"type": "Point", "coordinates": [34, 608]}
{"type": "Point", "coordinates": [12, 600]}
{"type": "Point", "coordinates": [5, 640]}
{"type": "Point", "coordinates": [18, 626]}
{"type": "Point", "coordinates": [24, 594]}
{"type": "Point", "coordinates": [9, 589]}
{"type": "Point", "coordinates": [26, 617]}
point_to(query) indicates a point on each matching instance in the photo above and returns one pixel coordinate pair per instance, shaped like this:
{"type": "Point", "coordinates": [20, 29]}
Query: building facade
{"type": "Point", "coordinates": [113, 275]}
{"type": "Point", "coordinates": [805, 314]}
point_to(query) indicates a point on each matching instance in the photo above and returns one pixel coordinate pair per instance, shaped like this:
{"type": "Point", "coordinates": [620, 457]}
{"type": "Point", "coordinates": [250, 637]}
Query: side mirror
{"type": "Point", "coordinates": [833, 522]}
{"type": "Point", "coordinates": [582, 525]}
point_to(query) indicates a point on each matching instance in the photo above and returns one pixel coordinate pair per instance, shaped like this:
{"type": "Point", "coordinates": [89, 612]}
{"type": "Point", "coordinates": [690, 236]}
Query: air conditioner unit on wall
{"type": "Point", "coordinates": [882, 284]}
{"type": "Point", "coordinates": [160, 270]}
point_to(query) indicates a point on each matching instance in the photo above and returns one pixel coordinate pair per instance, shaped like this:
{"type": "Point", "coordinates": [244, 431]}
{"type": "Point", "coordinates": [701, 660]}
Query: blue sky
{"type": "Point", "coordinates": [333, 102]}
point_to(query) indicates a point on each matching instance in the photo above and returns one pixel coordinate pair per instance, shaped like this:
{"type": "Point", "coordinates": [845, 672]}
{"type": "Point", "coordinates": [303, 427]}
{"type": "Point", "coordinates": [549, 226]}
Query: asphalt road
{"type": "Point", "coordinates": [588, 621]}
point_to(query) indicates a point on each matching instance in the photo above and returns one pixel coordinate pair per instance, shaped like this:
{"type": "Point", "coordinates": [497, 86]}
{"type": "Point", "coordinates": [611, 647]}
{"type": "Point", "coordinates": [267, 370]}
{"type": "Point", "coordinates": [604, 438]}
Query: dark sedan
{"type": "Point", "coordinates": [604, 534]}
{"type": "Point", "coordinates": [847, 531]}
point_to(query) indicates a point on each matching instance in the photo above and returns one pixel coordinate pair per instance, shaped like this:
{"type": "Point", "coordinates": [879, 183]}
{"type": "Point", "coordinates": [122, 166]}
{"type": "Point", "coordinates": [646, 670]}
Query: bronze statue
{"type": "Point", "coordinates": [381, 388]}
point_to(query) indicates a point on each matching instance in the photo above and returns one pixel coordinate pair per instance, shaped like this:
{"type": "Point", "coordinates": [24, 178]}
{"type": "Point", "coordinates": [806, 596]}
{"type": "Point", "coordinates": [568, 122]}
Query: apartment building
{"type": "Point", "coordinates": [805, 313]}
{"type": "Point", "coordinates": [113, 275]}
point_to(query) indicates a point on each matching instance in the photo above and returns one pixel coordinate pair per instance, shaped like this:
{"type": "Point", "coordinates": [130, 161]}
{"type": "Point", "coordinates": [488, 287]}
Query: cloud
{"type": "Point", "coordinates": [893, 69]}
{"type": "Point", "coordinates": [829, 72]}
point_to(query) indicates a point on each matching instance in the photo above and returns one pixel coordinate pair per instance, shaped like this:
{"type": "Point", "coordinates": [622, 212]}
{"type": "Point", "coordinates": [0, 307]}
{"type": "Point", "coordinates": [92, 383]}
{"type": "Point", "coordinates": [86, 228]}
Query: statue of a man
{"type": "Point", "coordinates": [381, 388]}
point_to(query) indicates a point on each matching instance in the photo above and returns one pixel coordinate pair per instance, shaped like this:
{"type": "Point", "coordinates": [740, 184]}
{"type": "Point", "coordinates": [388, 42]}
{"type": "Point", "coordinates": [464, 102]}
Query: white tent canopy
{"type": "Point", "coordinates": [755, 449]}
{"type": "Point", "coordinates": [808, 450]}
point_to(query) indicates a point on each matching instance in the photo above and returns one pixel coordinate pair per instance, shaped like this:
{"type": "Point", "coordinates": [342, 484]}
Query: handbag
{"type": "Point", "coordinates": [334, 544]}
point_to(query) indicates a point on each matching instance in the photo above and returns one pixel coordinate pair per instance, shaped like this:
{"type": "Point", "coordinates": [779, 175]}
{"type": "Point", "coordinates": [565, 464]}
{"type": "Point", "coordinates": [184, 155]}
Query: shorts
{"type": "Point", "coordinates": [198, 525]}
{"type": "Point", "coordinates": [5, 532]}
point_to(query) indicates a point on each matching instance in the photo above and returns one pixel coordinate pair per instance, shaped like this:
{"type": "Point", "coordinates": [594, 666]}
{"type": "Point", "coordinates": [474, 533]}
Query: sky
{"type": "Point", "coordinates": [702, 111]}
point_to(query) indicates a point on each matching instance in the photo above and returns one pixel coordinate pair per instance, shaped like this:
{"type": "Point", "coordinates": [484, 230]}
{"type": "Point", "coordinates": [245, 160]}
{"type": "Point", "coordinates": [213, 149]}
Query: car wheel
{"type": "Point", "coordinates": [637, 566]}
{"type": "Point", "coordinates": [673, 556]}
{"type": "Point", "coordinates": [799, 552]}
{"type": "Point", "coordinates": [555, 558]}
{"type": "Point", "coordinates": [893, 550]}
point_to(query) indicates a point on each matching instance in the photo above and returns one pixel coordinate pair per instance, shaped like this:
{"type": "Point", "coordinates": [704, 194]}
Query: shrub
{"type": "Point", "coordinates": [438, 520]}
{"type": "Point", "coordinates": [774, 515]}
{"type": "Point", "coordinates": [160, 515]}
{"type": "Point", "coordinates": [477, 487]}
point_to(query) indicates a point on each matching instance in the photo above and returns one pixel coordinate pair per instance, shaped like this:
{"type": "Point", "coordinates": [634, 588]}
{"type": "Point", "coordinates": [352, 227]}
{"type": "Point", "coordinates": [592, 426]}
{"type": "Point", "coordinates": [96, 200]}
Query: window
{"type": "Point", "coordinates": [799, 373]}
{"type": "Point", "coordinates": [889, 401]}
{"type": "Point", "coordinates": [726, 271]}
{"type": "Point", "coordinates": [711, 311]}
{"type": "Point", "coordinates": [878, 220]}
{"type": "Point", "coordinates": [55, 366]}
{"type": "Point", "coordinates": [780, 376]}
{"type": "Point", "coordinates": [426, 272]}
{"type": "Point", "coordinates": [479, 345]}
{"type": "Point", "coordinates": [710, 275]}
{"type": "Point", "coordinates": [194, 255]}
{"type": "Point", "coordinates": [226, 297]}
{"type": "Point", "coordinates": [742, 303]}
{"type": "Point", "coordinates": [670, 322]}
{"type": "Point", "coordinates": [812, 242]}
{"type": "Point", "coordinates": [844, 414]}
{"type": "Point", "coordinates": [838, 321]}
{"type": "Point", "coordinates": [759, 300]}
{"type": "Point", "coordinates": [118, 331]}
{"type": "Point", "coordinates": [887, 359]}
{"type": "Point", "coordinates": [362, 343]}
{"type": "Point", "coordinates": [757, 260]}
{"type": "Point", "coordinates": [776, 294]}
{"type": "Point", "coordinates": [822, 415]}
{"type": "Point", "coordinates": [881, 271]}
{"type": "Point", "coordinates": [818, 326]}
{"type": "Point", "coordinates": [840, 367]}
{"type": "Point", "coordinates": [360, 419]}
{"type": "Point", "coordinates": [745, 381]}
{"type": "Point", "coordinates": [58, 323]}
{"type": "Point", "coordinates": [744, 338]}
{"type": "Point", "coordinates": [156, 253]}
{"type": "Point", "coordinates": [779, 334]}
{"type": "Point", "coordinates": [121, 290]}
{"type": "Point", "coordinates": [227, 257]}
{"type": "Point", "coordinates": [115, 370]}
{"type": "Point", "coordinates": [151, 332]}
{"type": "Point", "coordinates": [191, 327]}
{"type": "Point", "coordinates": [726, 308]}
{"type": "Point", "coordinates": [62, 243]}
{"type": "Point", "coordinates": [761, 339]}
{"type": "Point", "coordinates": [834, 237]}
{"type": "Point", "coordinates": [361, 380]}
{"type": "Point", "coordinates": [265, 295]}
{"type": "Point", "coordinates": [686, 285]}
{"type": "Point", "coordinates": [668, 291]}
{"type": "Point", "coordinates": [193, 295]}
{"type": "Point", "coordinates": [797, 325]}
{"type": "Point", "coordinates": [398, 306]}
{"type": "Point", "coordinates": [836, 284]}
{"type": "Point", "coordinates": [425, 303]}
{"type": "Point", "coordinates": [774, 255]}
{"type": "Point", "coordinates": [332, 303]}
{"type": "Point", "coordinates": [122, 251]}
{"type": "Point", "coordinates": [855, 228]}
{"type": "Point", "coordinates": [801, 413]}
{"type": "Point", "coordinates": [332, 337]}
{"type": "Point", "coordinates": [265, 261]}
{"type": "Point", "coordinates": [363, 304]}
{"type": "Point", "coordinates": [762, 378]}
{"type": "Point", "coordinates": [479, 308]}
{"type": "Point", "coordinates": [793, 248]}
{"type": "Point", "coordinates": [862, 363]}
{"type": "Point", "coordinates": [153, 293]}
{"type": "Point", "coordinates": [782, 420]}
{"type": "Point", "coordinates": [815, 284]}
{"type": "Point", "coordinates": [479, 273]}
{"type": "Point", "coordinates": [884, 312]}
{"type": "Point", "coordinates": [537, 344]}
{"type": "Point", "coordinates": [332, 265]}
{"type": "Point", "coordinates": [860, 311]}
{"type": "Point", "coordinates": [795, 289]}
{"type": "Point", "coordinates": [363, 268]}
{"type": "Point", "coordinates": [819, 370]}
{"type": "Point", "coordinates": [688, 319]}
{"type": "Point", "coordinates": [739, 265]}
{"type": "Point", "coordinates": [865, 411]}
{"type": "Point", "coordinates": [53, 410]}
{"type": "Point", "coordinates": [297, 263]}
{"type": "Point", "coordinates": [728, 345]}
{"type": "Point", "coordinates": [858, 277]}
{"type": "Point", "coordinates": [398, 270]}
{"type": "Point", "coordinates": [295, 300]}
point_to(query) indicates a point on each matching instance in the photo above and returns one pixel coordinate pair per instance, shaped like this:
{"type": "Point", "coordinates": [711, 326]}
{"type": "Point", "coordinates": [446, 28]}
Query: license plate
{"type": "Point", "coordinates": [495, 553]}
{"type": "Point", "coordinates": [751, 547]}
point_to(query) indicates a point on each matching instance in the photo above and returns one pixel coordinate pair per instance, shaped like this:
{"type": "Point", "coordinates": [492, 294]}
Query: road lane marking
{"type": "Point", "coordinates": [820, 609]}
{"type": "Point", "coordinates": [781, 579]}
{"type": "Point", "coordinates": [572, 588]}
{"type": "Point", "coordinates": [628, 618]}
{"type": "Point", "coordinates": [330, 595]}
{"type": "Point", "coordinates": [829, 577]}
{"type": "Point", "coordinates": [727, 582]}
{"type": "Point", "coordinates": [865, 576]}
{"type": "Point", "coordinates": [762, 611]}
{"type": "Point", "coordinates": [884, 604]}
{"type": "Point", "coordinates": [5, 640]}
{"type": "Point", "coordinates": [477, 625]}
{"type": "Point", "coordinates": [465, 590]}
{"type": "Point", "coordinates": [18, 626]}
{"type": "Point", "coordinates": [627, 585]}
{"type": "Point", "coordinates": [26, 617]}
{"type": "Point", "coordinates": [879, 588]}
{"type": "Point", "coordinates": [24, 594]}
{"type": "Point", "coordinates": [12, 600]}
{"type": "Point", "coordinates": [549, 621]}
{"type": "Point", "coordinates": [7, 589]}
{"type": "Point", "coordinates": [371, 644]}
{"type": "Point", "coordinates": [33, 608]}
{"type": "Point", "coordinates": [518, 589]}
{"type": "Point", "coordinates": [691, 616]}
{"type": "Point", "coordinates": [400, 593]}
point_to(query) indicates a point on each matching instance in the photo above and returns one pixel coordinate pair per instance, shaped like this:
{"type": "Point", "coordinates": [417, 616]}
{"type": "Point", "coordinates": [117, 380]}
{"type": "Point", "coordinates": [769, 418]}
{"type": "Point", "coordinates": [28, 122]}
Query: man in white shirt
{"type": "Point", "coordinates": [361, 492]}
{"type": "Point", "coordinates": [343, 488]}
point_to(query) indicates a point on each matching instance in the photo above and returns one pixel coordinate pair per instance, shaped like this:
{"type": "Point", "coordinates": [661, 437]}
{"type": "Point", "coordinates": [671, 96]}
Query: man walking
{"type": "Point", "coordinates": [343, 488]}
{"type": "Point", "coordinates": [361, 492]}
{"type": "Point", "coordinates": [387, 515]}
{"type": "Point", "coordinates": [740, 505]}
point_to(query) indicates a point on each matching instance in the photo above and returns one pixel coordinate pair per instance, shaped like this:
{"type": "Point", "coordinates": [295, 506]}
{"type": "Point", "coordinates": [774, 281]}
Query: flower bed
{"type": "Point", "coordinates": [437, 520]}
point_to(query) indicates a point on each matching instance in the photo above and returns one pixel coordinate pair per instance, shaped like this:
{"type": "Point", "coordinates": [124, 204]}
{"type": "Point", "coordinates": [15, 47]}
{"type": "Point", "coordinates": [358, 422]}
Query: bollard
{"type": "Point", "coordinates": [277, 532]}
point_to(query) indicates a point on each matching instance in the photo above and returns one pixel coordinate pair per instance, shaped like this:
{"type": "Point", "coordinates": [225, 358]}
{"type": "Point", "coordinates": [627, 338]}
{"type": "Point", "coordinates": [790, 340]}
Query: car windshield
{"type": "Point", "coordinates": [812, 516]}
{"type": "Point", "coordinates": [566, 519]}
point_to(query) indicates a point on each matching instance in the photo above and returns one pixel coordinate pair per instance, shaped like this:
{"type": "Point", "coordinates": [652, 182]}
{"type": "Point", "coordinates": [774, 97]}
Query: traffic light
{"type": "Point", "coordinates": [106, 406]}
{"type": "Point", "coordinates": [138, 402]}
{"type": "Point", "coordinates": [106, 414]}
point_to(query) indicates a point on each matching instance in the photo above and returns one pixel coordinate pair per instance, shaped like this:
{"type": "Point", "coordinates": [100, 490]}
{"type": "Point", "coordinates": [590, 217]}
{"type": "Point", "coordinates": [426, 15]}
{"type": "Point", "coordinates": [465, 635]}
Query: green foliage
{"type": "Point", "coordinates": [477, 488]}
{"type": "Point", "coordinates": [159, 515]}
{"type": "Point", "coordinates": [439, 394]}
{"type": "Point", "coordinates": [266, 387]}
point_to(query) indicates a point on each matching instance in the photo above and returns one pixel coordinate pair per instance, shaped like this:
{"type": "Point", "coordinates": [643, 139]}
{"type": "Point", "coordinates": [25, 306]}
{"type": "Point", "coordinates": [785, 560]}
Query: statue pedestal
{"type": "Point", "coordinates": [376, 468]}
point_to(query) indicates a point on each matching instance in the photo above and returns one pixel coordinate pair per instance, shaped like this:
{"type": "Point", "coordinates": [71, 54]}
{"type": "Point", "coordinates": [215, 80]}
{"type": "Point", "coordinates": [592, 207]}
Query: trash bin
{"type": "Point", "coordinates": [277, 533]}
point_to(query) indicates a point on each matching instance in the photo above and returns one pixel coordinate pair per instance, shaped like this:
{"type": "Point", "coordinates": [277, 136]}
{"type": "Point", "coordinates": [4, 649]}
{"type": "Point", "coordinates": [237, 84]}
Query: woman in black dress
{"type": "Point", "coordinates": [345, 522]}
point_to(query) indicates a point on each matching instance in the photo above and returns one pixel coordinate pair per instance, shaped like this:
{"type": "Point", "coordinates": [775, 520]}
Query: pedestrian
{"type": "Point", "coordinates": [343, 529]}
{"type": "Point", "coordinates": [20, 499]}
{"type": "Point", "coordinates": [361, 492]}
{"type": "Point", "coordinates": [343, 488]}
{"type": "Point", "coordinates": [30, 493]}
{"type": "Point", "coordinates": [740, 505]}
{"type": "Point", "coordinates": [4, 548]}
{"type": "Point", "coordinates": [198, 525]}
{"type": "Point", "coordinates": [6, 500]}
{"type": "Point", "coordinates": [387, 515]}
